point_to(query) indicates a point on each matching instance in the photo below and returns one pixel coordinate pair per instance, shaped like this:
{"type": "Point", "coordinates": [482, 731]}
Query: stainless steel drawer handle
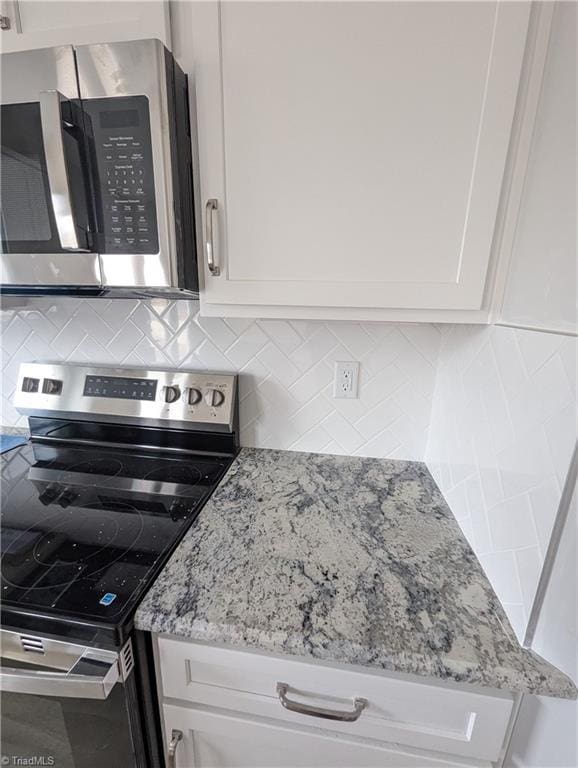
{"type": "Point", "coordinates": [327, 714]}
{"type": "Point", "coordinates": [92, 677]}
{"type": "Point", "coordinates": [176, 736]}
{"type": "Point", "coordinates": [211, 206]}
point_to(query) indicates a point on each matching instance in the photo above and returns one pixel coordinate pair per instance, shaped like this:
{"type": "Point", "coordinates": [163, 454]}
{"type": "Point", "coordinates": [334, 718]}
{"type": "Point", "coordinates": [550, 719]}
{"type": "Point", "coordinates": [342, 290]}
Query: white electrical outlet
{"type": "Point", "coordinates": [345, 380]}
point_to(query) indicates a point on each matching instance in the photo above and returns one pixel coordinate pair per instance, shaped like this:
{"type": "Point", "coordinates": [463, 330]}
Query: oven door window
{"type": "Point", "coordinates": [66, 732]}
{"type": "Point", "coordinates": [28, 209]}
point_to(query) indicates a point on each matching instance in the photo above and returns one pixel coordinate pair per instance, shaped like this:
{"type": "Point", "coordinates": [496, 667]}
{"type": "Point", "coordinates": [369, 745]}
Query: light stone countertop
{"type": "Point", "coordinates": [343, 559]}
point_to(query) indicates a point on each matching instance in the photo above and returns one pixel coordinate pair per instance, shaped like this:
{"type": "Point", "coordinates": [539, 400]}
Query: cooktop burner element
{"type": "Point", "coordinates": [88, 521]}
{"type": "Point", "coordinates": [111, 533]}
{"type": "Point", "coordinates": [102, 465]}
{"type": "Point", "coordinates": [179, 473]}
{"type": "Point", "coordinates": [67, 526]}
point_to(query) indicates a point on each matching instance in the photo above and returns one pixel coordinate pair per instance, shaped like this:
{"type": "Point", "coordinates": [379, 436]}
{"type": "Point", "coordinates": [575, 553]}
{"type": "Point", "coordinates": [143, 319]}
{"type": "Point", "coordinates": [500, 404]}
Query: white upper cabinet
{"type": "Point", "coordinates": [356, 151]}
{"type": "Point", "coordinates": [541, 288]}
{"type": "Point", "coordinates": [44, 23]}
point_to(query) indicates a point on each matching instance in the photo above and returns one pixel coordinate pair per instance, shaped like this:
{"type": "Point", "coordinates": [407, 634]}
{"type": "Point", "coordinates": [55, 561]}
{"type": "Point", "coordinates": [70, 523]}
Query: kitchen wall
{"type": "Point", "coordinates": [502, 433]}
{"type": "Point", "coordinates": [286, 367]}
{"type": "Point", "coordinates": [544, 722]}
{"type": "Point", "coordinates": [501, 427]}
{"type": "Point", "coordinates": [504, 417]}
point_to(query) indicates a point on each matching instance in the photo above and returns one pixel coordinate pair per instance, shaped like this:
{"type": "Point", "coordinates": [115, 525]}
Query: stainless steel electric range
{"type": "Point", "coordinates": [119, 464]}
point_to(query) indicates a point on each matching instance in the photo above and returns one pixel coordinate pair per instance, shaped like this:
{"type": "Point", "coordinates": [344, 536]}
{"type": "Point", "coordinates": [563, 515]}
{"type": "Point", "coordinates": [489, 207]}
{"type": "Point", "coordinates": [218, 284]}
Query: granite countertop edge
{"type": "Point", "coordinates": [287, 527]}
{"type": "Point", "coordinates": [558, 686]}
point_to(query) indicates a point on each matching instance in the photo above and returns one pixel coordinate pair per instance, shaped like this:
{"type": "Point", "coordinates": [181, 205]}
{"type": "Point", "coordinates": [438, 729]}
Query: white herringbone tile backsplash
{"type": "Point", "coordinates": [286, 368]}
{"type": "Point", "coordinates": [491, 409]}
{"type": "Point", "coordinates": [502, 433]}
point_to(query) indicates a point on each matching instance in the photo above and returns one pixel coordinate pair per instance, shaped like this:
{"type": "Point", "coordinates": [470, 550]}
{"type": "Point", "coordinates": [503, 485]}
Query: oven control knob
{"type": "Point", "coordinates": [172, 393]}
{"type": "Point", "coordinates": [67, 497]}
{"type": "Point", "coordinates": [49, 494]}
{"type": "Point", "coordinates": [29, 384]}
{"type": "Point", "coordinates": [52, 387]}
{"type": "Point", "coordinates": [214, 398]}
{"type": "Point", "coordinates": [194, 396]}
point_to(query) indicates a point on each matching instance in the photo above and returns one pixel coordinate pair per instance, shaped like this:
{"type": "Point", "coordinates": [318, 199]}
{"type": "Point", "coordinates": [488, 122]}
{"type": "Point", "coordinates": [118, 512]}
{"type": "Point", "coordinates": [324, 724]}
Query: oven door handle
{"type": "Point", "coordinates": [57, 171]}
{"type": "Point", "coordinates": [92, 677]}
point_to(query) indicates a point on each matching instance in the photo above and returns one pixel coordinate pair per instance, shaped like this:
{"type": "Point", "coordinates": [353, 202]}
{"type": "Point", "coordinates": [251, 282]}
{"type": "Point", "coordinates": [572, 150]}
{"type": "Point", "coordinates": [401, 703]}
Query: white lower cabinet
{"type": "Point", "coordinates": [228, 740]}
{"type": "Point", "coordinates": [227, 704]}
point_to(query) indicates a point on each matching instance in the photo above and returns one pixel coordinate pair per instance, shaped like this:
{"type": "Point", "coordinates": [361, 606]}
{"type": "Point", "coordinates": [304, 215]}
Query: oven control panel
{"type": "Point", "coordinates": [195, 398]}
{"type": "Point", "coordinates": [121, 387]}
{"type": "Point", "coordinates": [120, 136]}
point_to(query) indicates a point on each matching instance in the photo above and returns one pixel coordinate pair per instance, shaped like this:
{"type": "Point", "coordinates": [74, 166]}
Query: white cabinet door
{"type": "Point", "coordinates": [356, 150]}
{"type": "Point", "coordinates": [224, 740]}
{"type": "Point", "coordinates": [41, 24]}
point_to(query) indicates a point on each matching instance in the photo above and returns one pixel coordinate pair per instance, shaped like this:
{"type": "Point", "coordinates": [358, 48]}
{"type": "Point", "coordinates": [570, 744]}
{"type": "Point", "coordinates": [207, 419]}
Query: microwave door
{"type": "Point", "coordinates": [45, 218]}
{"type": "Point", "coordinates": [132, 120]}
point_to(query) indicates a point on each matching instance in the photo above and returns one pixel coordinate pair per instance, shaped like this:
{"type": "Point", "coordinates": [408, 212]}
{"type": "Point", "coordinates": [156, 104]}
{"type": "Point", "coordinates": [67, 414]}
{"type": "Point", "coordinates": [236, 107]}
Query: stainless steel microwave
{"type": "Point", "coordinates": [96, 172]}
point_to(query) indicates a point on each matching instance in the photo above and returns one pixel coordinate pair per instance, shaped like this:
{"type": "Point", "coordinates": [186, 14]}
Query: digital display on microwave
{"type": "Point", "coordinates": [119, 118]}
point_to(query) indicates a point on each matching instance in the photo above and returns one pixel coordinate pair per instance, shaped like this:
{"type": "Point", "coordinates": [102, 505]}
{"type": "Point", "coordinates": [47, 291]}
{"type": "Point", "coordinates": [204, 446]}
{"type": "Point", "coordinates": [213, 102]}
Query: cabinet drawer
{"type": "Point", "coordinates": [399, 709]}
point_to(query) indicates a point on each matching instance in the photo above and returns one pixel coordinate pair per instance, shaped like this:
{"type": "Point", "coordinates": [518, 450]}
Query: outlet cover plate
{"type": "Point", "coordinates": [346, 380]}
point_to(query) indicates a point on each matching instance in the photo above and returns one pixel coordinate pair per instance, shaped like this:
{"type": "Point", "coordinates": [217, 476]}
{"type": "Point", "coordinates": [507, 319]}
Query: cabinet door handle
{"type": "Point", "coordinates": [211, 206]}
{"type": "Point", "coordinates": [327, 714]}
{"type": "Point", "coordinates": [176, 736]}
{"type": "Point", "coordinates": [5, 22]}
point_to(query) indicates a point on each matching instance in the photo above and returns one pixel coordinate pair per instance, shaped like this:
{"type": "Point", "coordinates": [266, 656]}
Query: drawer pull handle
{"type": "Point", "coordinates": [327, 714]}
{"type": "Point", "coordinates": [176, 736]}
{"type": "Point", "coordinates": [211, 206]}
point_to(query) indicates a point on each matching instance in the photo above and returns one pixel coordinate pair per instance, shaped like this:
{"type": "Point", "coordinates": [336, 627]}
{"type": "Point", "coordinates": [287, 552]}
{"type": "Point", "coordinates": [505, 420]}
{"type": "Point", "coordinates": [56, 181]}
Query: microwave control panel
{"type": "Point", "coordinates": [120, 135]}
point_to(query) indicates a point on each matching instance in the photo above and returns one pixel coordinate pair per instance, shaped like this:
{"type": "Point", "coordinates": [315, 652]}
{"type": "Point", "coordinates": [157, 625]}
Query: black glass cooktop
{"type": "Point", "coordinates": [85, 531]}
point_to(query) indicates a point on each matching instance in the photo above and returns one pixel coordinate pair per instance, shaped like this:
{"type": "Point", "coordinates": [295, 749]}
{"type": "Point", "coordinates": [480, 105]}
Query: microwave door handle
{"type": "Point", "coordinates": [88, 679]}
{"type": "Point", "coordinates": [52, 135]}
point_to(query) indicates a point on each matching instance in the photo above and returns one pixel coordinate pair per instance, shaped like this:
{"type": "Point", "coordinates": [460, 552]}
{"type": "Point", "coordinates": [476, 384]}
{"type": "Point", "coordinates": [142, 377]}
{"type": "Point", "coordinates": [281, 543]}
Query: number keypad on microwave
{"type": "Point", "coordinates": [122, 143]}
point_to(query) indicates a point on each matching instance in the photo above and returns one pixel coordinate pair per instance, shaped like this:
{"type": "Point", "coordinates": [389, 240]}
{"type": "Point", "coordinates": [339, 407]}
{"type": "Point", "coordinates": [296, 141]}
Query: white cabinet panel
{"type": "Point", "coordinates": [228, 740]}
{"type": "Point", "coordinates": [356, 150]}
{"type": "Point", "coordinates": [41, 24]}
{"type": "Point", "coordinates": [541, 287]}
